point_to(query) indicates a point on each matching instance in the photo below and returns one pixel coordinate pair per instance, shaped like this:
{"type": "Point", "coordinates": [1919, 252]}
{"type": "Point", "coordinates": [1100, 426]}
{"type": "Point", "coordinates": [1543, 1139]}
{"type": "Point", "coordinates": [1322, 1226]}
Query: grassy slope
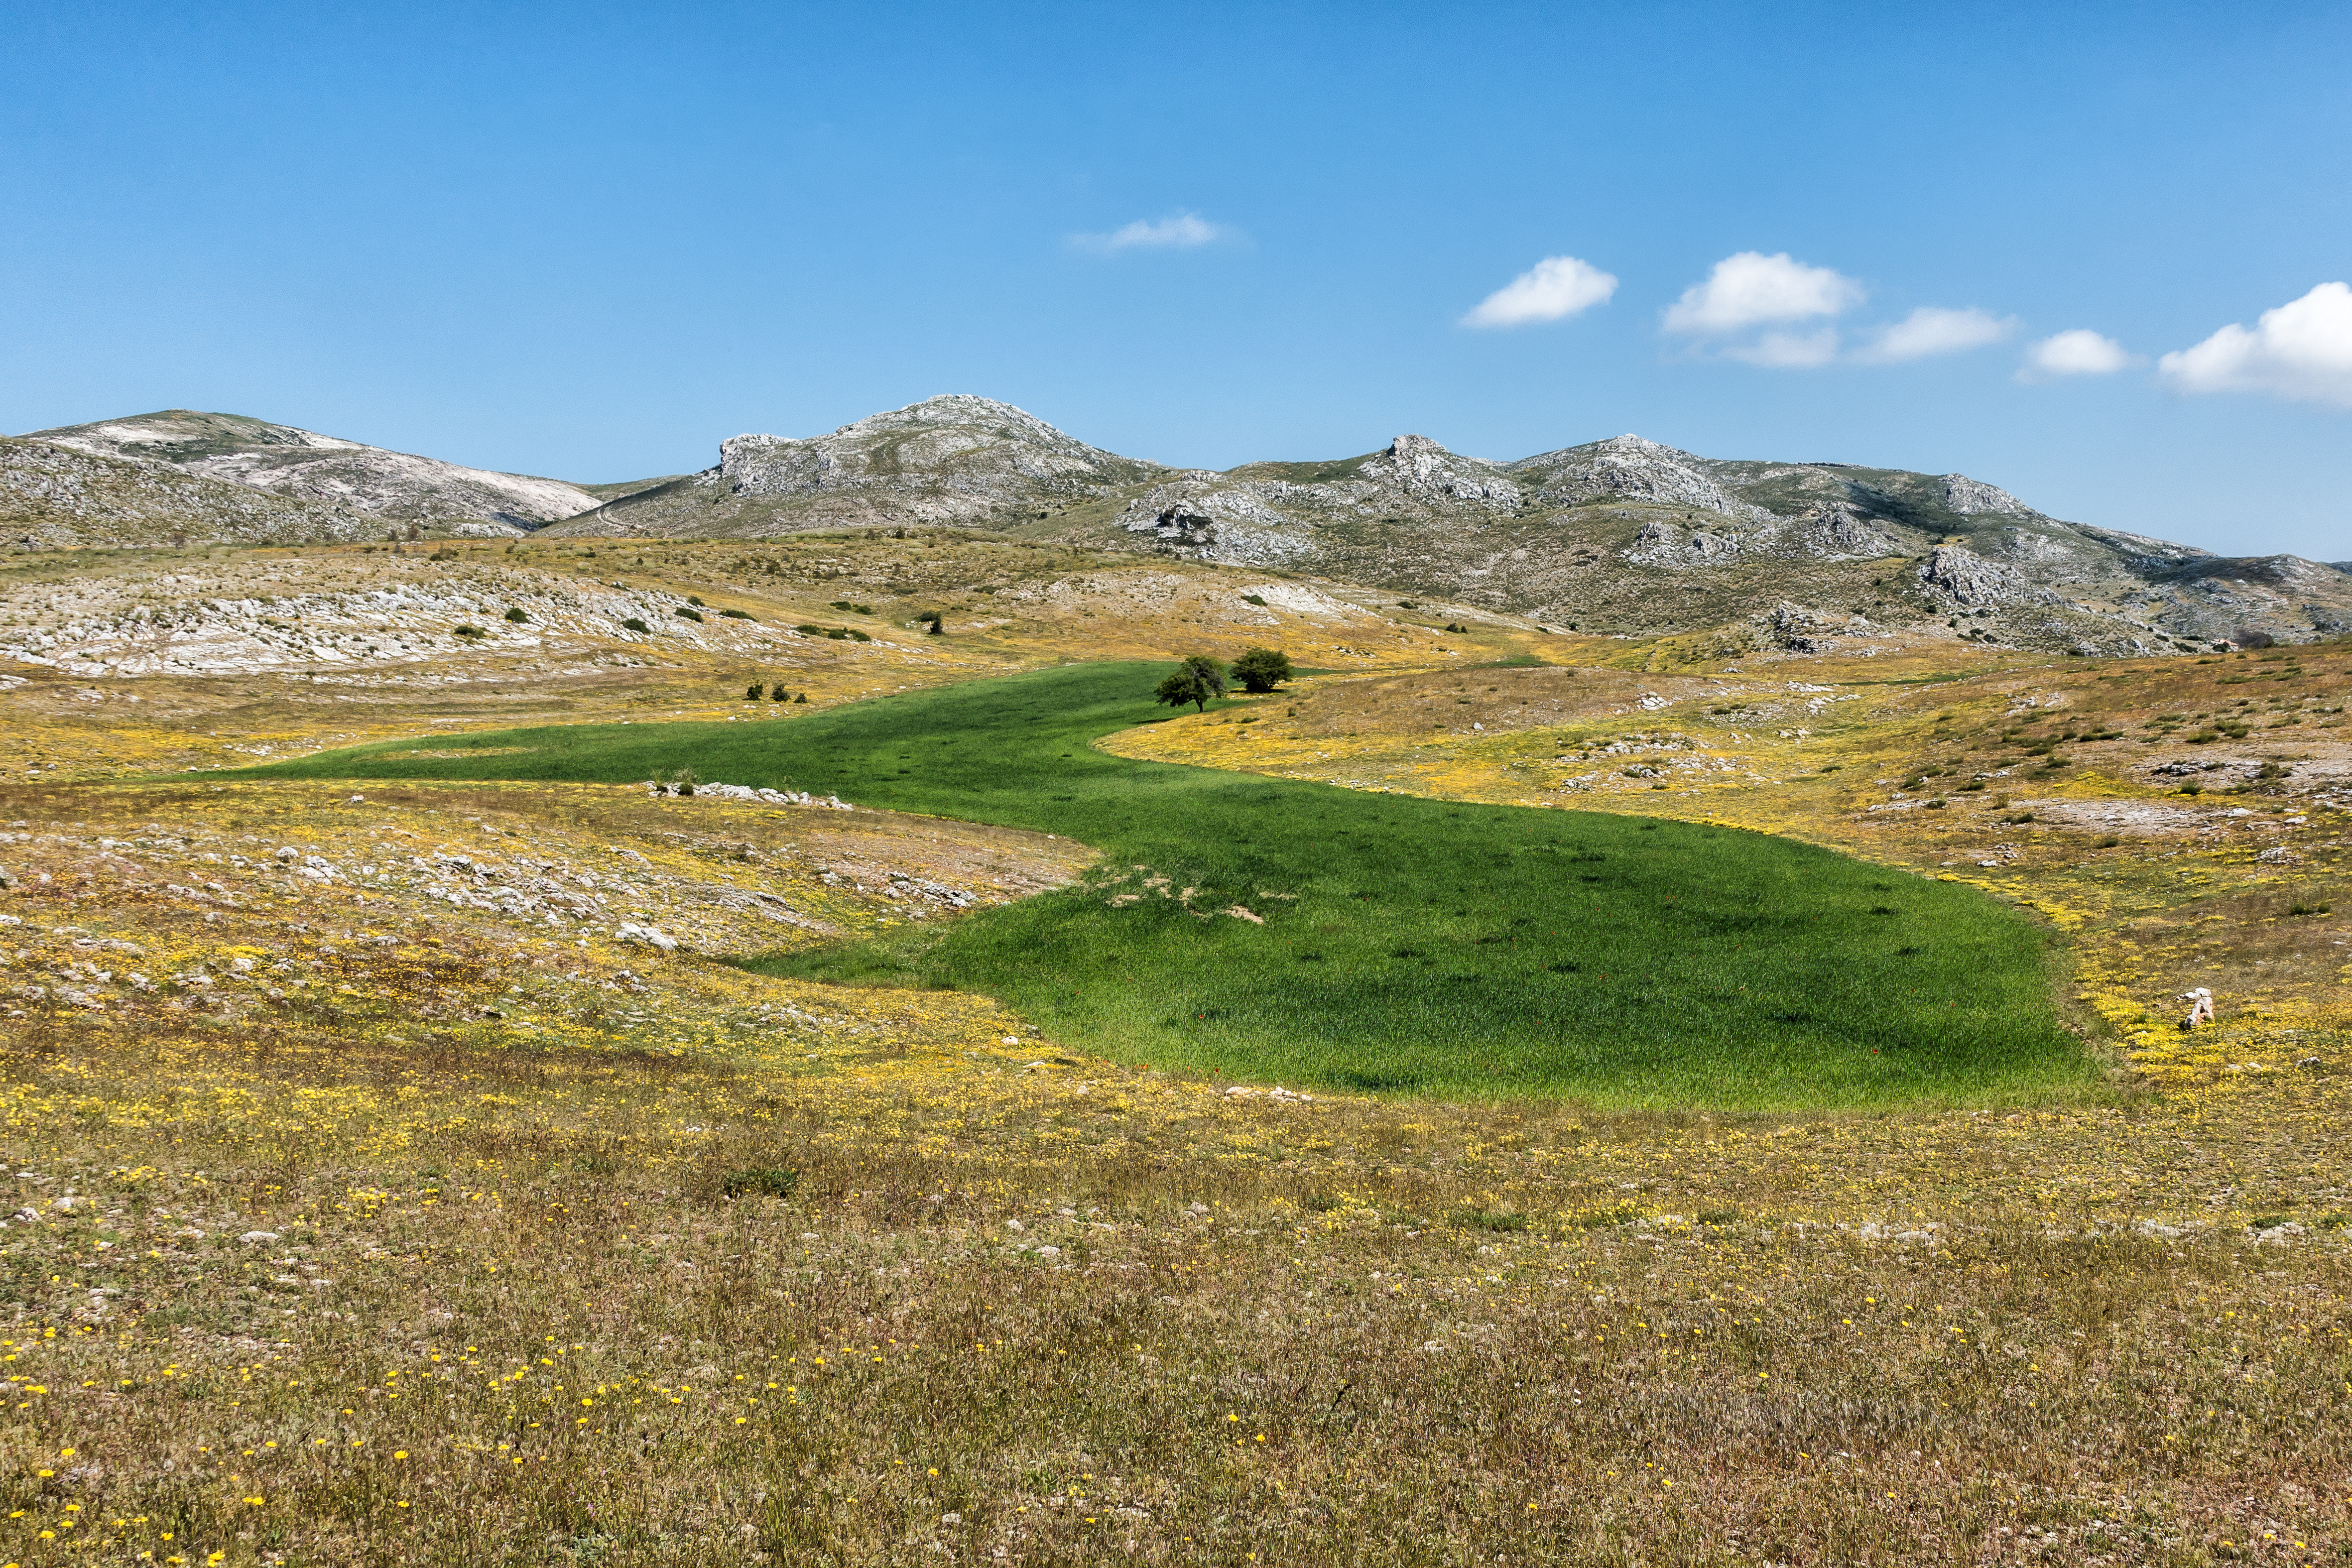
{"type": "Point", "coordinates": [1406, 944]}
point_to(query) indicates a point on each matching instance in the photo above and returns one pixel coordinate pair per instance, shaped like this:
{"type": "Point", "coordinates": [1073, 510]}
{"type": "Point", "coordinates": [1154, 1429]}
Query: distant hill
{"type": "Point", "coordinates": [301, 465]}
{"type": "Point", "coordinates": [53, 498]}
{"type": "Point", "coordinates": [1618, 536]}
{"type": "Point", "coordinates": [1623, 535]}
{"type": "Point", "coordinates": [956, 460]}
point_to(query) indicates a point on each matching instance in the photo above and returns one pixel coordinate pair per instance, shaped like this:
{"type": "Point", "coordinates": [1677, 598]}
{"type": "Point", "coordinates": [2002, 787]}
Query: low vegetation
{"type": "Point", "coordinates": [337, 1198]}
{"type": "Point", "coordinates": [1312, 935]}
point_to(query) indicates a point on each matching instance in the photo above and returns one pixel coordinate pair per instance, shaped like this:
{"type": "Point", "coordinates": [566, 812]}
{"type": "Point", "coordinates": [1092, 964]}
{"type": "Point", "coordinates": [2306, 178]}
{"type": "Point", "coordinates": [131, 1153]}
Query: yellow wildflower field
{"type": "Point", "coordinates": [402, 1173]}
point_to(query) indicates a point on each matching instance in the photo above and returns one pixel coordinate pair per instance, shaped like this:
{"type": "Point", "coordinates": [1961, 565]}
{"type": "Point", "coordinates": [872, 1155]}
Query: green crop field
{"type": "Point", "coordinates": [1407, 945]}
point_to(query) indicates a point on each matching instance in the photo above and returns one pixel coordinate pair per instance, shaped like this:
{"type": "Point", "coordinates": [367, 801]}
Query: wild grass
{"type": "Point", "coordinates": [1295, 932]}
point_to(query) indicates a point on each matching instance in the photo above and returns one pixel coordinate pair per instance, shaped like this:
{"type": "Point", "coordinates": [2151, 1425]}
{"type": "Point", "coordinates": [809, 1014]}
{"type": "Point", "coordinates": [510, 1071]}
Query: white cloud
{"type": "Point", "coordinates": [1555, 286]}
{"type": "Point", "coordinates": [1179, 231]}
{"type": "Point", "coordinates": [1789, 351]}
{"type": "Point", "coordinates": [2302, 350]}
{"type": "Point", "coordinates": [2078, 351]}
{"type": "Point", "coordinates": [1750, 289]}
{"type": "Point", "coordinates": [1934, 329]}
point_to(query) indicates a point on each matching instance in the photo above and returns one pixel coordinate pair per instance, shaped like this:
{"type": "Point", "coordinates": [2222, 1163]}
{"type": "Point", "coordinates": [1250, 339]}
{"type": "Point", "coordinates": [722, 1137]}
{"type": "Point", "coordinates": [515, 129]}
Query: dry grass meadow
{"type": "Point", "coordinates": [377, 1200]}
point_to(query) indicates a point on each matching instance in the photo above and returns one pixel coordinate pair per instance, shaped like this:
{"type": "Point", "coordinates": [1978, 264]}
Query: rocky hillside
{"type": "Point", "coordinates": [53, 498]}
{"type": "Point", "coordinates": [1623, 535]}
{"type": "Point", "coordinates": [323, 470]}
{"type": "Point", "coordinates": [951, 460]}
{"type": "Point", "coordinates": [1628, 536]}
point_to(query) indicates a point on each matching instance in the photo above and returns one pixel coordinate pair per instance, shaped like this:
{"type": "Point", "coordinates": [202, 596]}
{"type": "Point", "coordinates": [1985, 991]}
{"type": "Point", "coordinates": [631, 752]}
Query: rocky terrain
{"type": "Point", "coordinates": [326, 471]}
{"type": "Point", "coordinates": [1629, 536]}
{"type": "Point", "coordinates": [53, 498]}
{"type": "Point", "coordinates": [955, 459]}
{"type": "Point", "coordinates": [1622, 538]}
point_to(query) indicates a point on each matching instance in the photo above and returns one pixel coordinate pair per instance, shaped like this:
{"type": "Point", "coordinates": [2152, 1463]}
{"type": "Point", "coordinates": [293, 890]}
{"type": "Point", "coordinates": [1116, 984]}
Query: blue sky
{"type": "Point", "coordinates": [591, 241]}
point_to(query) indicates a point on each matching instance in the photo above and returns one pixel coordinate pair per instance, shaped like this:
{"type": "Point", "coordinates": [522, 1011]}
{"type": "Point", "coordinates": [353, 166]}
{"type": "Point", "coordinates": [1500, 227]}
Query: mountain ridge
{"type": "Point", "coordinates": [326, 470]}
{"type": "Point", "coordinates": [1624, 535]}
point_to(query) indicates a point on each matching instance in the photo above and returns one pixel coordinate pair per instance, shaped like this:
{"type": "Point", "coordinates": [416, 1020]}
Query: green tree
{"type": "Point", "coordinates": [1262, 669]}
{"type": "Point", "coordinates": [1196, 680]}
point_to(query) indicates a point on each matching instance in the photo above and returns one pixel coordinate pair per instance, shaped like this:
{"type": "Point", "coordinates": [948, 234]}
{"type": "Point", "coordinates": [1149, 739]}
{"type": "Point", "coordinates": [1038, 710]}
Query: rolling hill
{"type": "Point", "coordinates": [325, 470]}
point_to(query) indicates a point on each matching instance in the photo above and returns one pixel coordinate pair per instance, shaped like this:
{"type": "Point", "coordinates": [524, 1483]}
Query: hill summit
{"type": "Point", "coordinates": [1626, 536]}
{"type": "Point", "coordinates": [327, 471]}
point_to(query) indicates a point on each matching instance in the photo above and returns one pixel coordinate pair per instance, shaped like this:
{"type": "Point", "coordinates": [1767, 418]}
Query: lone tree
{"type": "Point", "coordinates": [1196, 680]}
{"type": "Point", "coordinates": [1260, 670]}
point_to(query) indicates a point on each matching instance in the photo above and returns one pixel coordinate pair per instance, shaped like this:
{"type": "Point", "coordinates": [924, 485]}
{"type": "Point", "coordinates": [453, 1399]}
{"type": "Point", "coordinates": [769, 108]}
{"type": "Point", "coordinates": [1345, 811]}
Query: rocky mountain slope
{"type": "Point", "coordinates": [53, 498]}
{"type": "Point", "coordinates": [325, 470]}
{"type": "Point", "coordinates": [1623, 535]}
{"type": "Point", "coordinates": [951, 460]}
{"type": "Point", "coordinates": [1630, 536]}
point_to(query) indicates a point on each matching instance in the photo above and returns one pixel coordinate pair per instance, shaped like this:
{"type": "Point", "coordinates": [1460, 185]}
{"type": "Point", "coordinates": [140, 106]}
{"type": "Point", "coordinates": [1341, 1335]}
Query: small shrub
{"type": "Point", "coordinates": [2110, 842]}
{"type": "Point", "coordinates": [739, 615]}
{"type": "Point", "coordinates": [1258, 600]}
{"type": "Point", "coordinates": [800, 697]}
{"type": "Point", "coordinates": [517, 616]}
{"type": "Point", "coordinates": [848, 608]}
{"type": "Point", "coordinates": [1260, 670]}
{"type": "Point", "coordinates": [636, 623]}
{"type": "Point", "coordinates": [773, 1183]}
{"type": "Point", "coordinates": [1456, 626]}
{"type": "Point", "coordinates": [695, 599]}
{"type": "Point", "coordinates": [465, 631]}
{"type": "Point", "coordinates": [682, 781]}
{"type": "Point", "coordinates": [1490, 1219]}
{"type": "Point", "coordinates": [1937, 804]}
{"type": "Point", "coordinates": [444, 553]}
{"type": "Point", "coordinates": [779, 694]}
{"type": "Point", "coordinates": [685, 614]}
{"type": "Point", "coordinates": [2311, 909]}
{"type": "Point", "coordinates": [754, 692]}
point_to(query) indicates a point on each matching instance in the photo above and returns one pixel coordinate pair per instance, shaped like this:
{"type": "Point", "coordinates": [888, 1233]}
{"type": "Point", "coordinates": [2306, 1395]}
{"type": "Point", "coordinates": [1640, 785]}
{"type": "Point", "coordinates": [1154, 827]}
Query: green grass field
{"type": "Point", "coordinates": [1408, 946]}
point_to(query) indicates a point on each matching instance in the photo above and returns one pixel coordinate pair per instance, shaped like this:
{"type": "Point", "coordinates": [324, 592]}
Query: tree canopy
{"type": "Point", "coordinates": [1262, 669]}
{"type": "Point", "coordinates": [1199, 678]}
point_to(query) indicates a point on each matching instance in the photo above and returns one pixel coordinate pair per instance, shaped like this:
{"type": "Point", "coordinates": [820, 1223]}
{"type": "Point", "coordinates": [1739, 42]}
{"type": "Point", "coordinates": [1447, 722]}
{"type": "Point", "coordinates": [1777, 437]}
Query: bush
{"type": "Point", "coordinates": [635, 624]}
{"type": "Point", "coordinates": [773, 1183]}
{"type": "Point", "coordinates": [848, 609]}
{"type": "Point", "coordinates": [689, 614]}
{"type": "Point", "coordinates": [517, 616]}
{"type": "Point", "coordinates": [695, 599]}
{"type": "Point", "coordinates": [465, 631]}
{"type": "Point", "coordinates": [754, 692]}
{"type": "Point", "coordinates": [934, 620]}
{"type": "Point", "coordinates": [1260, 670]}
{"type": "Point", "coordinates": [1256, 599]}
{"type": "Point", "coordinates": [800, 697]}
{"type": "Point", "coordinates": [740, 615]}
{"type": "Point", "coordinates": [1456, 626]}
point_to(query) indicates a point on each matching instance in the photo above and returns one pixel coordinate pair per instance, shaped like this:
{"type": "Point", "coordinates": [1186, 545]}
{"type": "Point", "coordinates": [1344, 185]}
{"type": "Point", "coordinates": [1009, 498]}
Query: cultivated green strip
{"type": "Point", "coordinates": [1406, 945]}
